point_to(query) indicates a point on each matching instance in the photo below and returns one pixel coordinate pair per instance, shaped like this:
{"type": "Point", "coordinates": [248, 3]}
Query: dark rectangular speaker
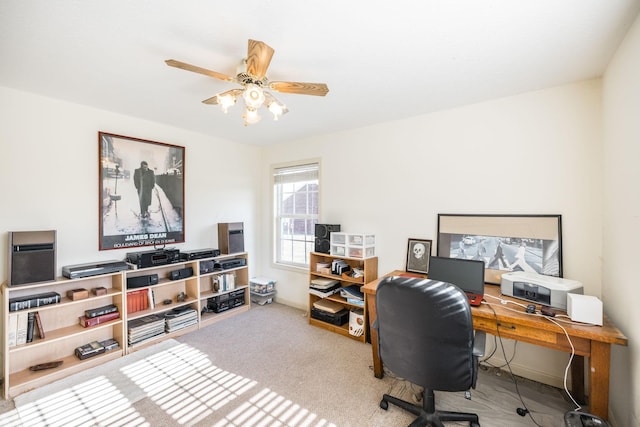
{"type": "Point", "coordinates": [231, 237]}
{"type": "Point", "coordinates": [323, 236]}
{"type": "Point", "coordinates": [32, 257]}
{"type": "Point", "coordinates": [142, 281]}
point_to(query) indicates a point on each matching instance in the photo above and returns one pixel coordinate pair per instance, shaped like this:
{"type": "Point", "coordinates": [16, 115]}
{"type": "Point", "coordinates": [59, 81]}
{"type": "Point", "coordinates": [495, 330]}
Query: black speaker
{"type": "Point", "coordinates": [323, 236]}
{"type": "Point", "coordinates": [231, 237]}
{"type": "Point", "coordinates": [32, 257]}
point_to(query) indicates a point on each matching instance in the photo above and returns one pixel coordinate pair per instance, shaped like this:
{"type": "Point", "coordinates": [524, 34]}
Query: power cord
{"type": "Point", "coordinates": [485, 361]}
{"type": "Point", "coordinates": [521, 411]}
{"type": "Point", "coordinates": [556, 321]}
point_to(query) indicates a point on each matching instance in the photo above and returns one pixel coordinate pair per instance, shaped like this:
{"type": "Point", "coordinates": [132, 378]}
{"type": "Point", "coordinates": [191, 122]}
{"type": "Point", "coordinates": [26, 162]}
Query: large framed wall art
{"type": "Point", "coordinates": [505, 243]}
{"type": "Point", "coordinates": [141, 192]}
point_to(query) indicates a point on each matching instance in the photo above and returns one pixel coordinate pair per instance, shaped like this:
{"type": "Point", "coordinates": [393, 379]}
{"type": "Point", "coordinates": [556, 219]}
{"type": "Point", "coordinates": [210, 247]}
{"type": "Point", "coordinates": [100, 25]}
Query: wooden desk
{"type": "Point", "coordinates": [593, 342]}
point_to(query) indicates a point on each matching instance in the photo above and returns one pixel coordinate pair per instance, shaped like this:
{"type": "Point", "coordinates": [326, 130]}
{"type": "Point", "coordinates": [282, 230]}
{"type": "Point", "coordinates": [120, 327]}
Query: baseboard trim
{"type": "Point", "coordinates": [293, 304]}
{"type": "Point", "coordinates": [527, 372]}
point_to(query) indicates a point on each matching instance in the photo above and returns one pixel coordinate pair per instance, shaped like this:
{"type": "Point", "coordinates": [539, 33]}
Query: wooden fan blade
{"type": "Point", "coordinates": [259, 57]}
{"type": "Point", "coordinates": [317, 89]}
{"type": "Point", "coordinates": [199, 70]}
{"type": "Point", "coordinates": [214, 99]}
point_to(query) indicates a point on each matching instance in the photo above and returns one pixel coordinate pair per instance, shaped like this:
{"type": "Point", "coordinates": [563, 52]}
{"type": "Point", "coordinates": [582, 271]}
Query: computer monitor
{"type": "Point", "coordinates": [467, 274]}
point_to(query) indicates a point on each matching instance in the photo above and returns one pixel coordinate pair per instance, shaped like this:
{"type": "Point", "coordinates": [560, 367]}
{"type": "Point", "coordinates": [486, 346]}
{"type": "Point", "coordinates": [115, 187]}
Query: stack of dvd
{"type": "Point", "coordinates": [178, 319]}
{"type": "Point", "coordinates": [145, 328]}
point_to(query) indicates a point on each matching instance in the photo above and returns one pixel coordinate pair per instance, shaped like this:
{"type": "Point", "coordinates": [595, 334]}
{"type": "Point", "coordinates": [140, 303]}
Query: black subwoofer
{"type": "Point", "coordinates": [323, 237]}
{"type": "Point", "coordinates": [32, 257]}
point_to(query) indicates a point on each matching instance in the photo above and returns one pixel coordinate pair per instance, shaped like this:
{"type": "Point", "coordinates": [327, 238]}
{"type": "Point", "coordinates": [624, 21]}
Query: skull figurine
{"type": "Point", "coordinates": [418, 250]}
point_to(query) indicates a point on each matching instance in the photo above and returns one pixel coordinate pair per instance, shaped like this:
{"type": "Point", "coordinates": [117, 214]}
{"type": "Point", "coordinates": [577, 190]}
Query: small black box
{"type": "Point", "coordinates": [207, 266]}
{"type": "Point", "coordinates": [94, 348]}
{"type": "Point", "coordinates": [142, 281]}
{"type": "Point", "coordinates": [338, 319]}
{"type": "Point", "coordinates": [182, 273]}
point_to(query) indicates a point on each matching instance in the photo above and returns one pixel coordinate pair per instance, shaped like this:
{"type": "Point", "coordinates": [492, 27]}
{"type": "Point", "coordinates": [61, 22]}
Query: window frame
{"type": "Point", "coordinates": [276, 216]}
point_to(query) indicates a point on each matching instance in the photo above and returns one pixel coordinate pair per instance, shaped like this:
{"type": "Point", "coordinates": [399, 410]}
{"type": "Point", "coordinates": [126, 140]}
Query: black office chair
{"type": "Point", "coordinates": [425, 335]}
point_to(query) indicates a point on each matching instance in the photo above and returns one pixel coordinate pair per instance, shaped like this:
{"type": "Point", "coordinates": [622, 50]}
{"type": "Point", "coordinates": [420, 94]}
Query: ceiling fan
{"type": "Point", "coordinates": [255, 84]}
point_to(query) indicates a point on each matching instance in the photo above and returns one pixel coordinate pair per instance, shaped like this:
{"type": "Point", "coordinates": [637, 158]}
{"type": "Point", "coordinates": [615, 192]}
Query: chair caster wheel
{"type": "Point", "coordinates": [384, 404]}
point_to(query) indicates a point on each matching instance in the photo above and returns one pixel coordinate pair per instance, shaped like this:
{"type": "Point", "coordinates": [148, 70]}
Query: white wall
{"type": "Point", "coordinates": [536, 153]}
{"type": "Point", "coordinates": [49, 176]}
{"type": "Point", "coordinates": [621, 104]}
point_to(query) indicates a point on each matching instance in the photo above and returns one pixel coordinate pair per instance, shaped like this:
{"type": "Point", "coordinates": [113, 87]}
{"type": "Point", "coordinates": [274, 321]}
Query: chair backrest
{"type": "Point", "coordinates": [425, 332]}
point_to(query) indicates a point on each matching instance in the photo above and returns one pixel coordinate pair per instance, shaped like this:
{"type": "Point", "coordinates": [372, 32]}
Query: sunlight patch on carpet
{"type": "Point", "coordinates": [184, 383]}
{"type": "Point", "coordinates": [95, 402]}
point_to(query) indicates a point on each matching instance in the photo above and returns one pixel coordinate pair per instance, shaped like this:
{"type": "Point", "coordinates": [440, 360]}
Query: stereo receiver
{"type": "Point", "coordinates": [153, 258]}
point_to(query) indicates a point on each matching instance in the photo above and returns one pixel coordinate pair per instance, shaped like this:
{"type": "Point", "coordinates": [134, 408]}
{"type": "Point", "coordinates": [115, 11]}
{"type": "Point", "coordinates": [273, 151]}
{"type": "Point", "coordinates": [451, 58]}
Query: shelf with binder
{"type": "Point", "coordinates": [63, 332]}
{"type": "Point", "coordinates": [156, 300]}
{"type": "Point", "coordinates": [61, 328]}
{"type": "Point", "coordinates": [224, 292]}
{"type": "Point", "coordinates": [321, 271]}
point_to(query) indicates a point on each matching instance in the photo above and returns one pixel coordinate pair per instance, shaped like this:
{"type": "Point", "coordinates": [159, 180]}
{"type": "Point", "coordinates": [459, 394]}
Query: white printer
{"type": "Point", "coordinates": [538, 288]}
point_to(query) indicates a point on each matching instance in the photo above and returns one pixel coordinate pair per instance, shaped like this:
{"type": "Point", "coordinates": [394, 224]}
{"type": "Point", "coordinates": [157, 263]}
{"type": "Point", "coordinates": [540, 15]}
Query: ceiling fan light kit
{"type": "Point", "coordinates": [254, 82]}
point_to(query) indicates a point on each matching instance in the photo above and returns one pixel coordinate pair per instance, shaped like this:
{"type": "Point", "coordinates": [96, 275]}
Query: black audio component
{"type": "Point", "coordinates": [154, 258]}
{"type": "Point", "coordinates": [218, 303]}
{"type": "Point", "coordinates": [181, 273]}
{"type": "Point", "coordinates": [32, 257]}
{"type": "Point", "coordinates": [142, 281]}
{"type": "Point", "coordinates": [226, 264]}
{"type": "Point", "coordinates": [199, 254]}
{"type": "Point", "coordinates": [226, 301]}
{"type": "Point", "coordinates": [231, 237]}
{"type": "Point", "coordinates": [323, 235]}
{"type": "Point", "coordinates": [207, 266]}
{"type": "Point", "coordinates": [339, 318]}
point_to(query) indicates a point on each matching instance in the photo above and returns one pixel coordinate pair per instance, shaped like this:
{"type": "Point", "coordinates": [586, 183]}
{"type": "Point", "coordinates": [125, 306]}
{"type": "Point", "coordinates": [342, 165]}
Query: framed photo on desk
{"type": "Point", "coordinates": [418, 255]}
{"type": "Point", "coordinates": [505, 243]}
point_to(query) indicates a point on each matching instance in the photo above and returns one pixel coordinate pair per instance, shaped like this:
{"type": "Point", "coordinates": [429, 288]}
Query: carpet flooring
{"type": "Point", "coordinates": [265, 367]}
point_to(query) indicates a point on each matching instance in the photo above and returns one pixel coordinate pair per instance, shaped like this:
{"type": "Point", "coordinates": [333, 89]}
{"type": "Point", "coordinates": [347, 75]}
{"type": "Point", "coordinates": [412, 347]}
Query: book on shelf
{"type": "Point", "coordinates": [92, 321]}
{"type": "Point", "coordinates": [145, 328]}
{"type": "Point", "coordinates": [353, 292]}
{"type": "Point", "coordinates": [151, 298]}
{"type": "Point", "coordinates": [95, 312]}
{"type": "Point", "coordinates": [324, 294]}
{"type": "Point", "coordinates": [32, 301]}
{"type": "Point", "coordinates": [31, 319]}
{"type": "Point", "coordinates": [21, 328]}
{"type": "Point", "coordinates": [322, 283]}
{"type": "Point", "coordinates": [226, 282]}
{"type": "Point", "coordinates": [12, 330]}
{"type": "Point", "coordinates": [356, 301]}
{"type": "Point", "coordinates": [39, 325]}
{"type": "Point", "coordinates": [138, 300]}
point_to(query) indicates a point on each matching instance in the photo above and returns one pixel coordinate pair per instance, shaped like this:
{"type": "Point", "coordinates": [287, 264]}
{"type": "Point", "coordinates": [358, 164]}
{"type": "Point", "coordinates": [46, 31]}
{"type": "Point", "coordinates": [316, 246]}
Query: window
{"type": "Point", "coordinates": [295, 192]}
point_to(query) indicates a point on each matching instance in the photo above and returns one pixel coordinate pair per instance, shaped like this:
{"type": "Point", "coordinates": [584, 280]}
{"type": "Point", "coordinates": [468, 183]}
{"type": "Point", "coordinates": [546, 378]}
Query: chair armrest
{"type": "Point", "coordinates": [479, 342]}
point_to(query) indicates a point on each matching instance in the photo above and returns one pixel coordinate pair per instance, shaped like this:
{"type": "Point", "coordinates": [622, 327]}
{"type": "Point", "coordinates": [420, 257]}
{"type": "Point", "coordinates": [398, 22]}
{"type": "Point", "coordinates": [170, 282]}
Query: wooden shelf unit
{"type": "Point", "coordinates": [370, 268]}
{"type": "Point", "coordinates": [63, 333]}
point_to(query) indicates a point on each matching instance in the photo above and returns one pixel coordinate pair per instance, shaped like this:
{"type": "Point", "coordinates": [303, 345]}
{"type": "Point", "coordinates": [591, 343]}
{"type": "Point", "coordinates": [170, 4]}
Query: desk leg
{"type": "Point", "coordinates": [577, 379]}
{"type": "Point", "coordinates": [599, 379]}
{"type": "Point", "coordinates": [373, 314]}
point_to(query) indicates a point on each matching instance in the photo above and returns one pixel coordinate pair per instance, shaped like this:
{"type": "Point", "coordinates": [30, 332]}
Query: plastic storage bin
{"type": "Point", "coordinates": [353, 245]}
{"type": "Point", "coordinates": [262, 290]}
